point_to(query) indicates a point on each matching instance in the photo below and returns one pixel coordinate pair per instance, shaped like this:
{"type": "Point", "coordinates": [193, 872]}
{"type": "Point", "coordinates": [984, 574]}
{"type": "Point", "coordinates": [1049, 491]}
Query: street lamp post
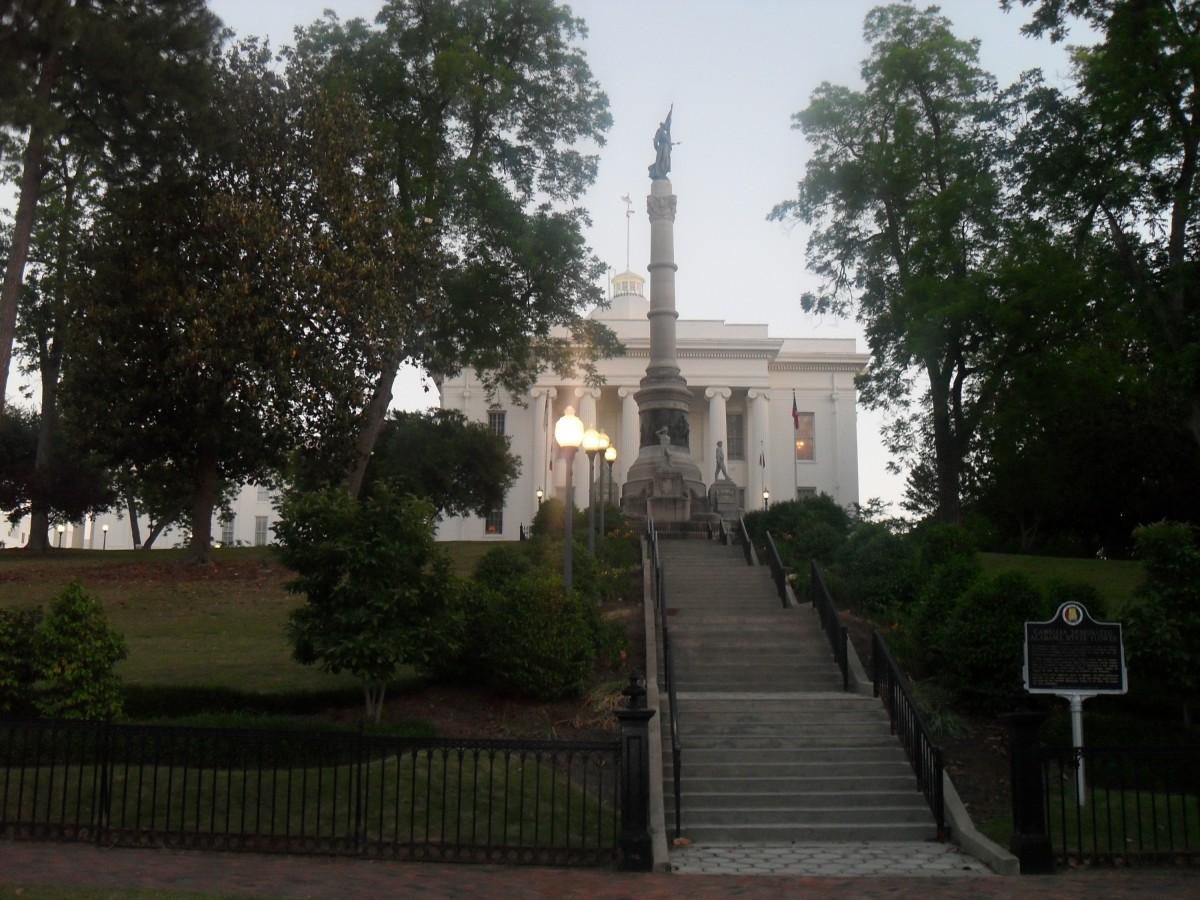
{"type": "Point", "coordinates": [766, 499]}
{"type": "Point", "coordinates": [61, 529]}
{"type": "Point", "coordinates": [104, 528]}
{"type": "Point", "coordinates": [610, 457]}
{"type": "Point", "coordinates": [568, 433]}
{"type": "Point", "coordinates": [591, 446]}
{"type": "Point", "coordinates": [540, 495]}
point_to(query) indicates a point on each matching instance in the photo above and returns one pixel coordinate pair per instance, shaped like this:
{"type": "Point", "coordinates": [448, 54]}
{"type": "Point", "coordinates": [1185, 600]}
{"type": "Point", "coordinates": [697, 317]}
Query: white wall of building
{"type": "Point", "coordinates": [739, 368]}
{"type": "Point", "coordinates": [253, 509]}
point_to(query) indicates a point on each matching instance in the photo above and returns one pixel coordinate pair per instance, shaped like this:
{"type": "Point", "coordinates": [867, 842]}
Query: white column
{"type": "Point", "coordinates": [760, 428]}
{"type": "Point", "coordinates": [833, 439]}
{"type": "Point", "coordinates": [631, 439]}
{"type": "Point", "coordinates": [717, 426]}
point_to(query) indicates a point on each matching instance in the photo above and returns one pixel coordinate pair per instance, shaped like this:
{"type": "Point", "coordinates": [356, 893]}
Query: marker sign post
{"type": "Point", "coordinates": [1075, 657]}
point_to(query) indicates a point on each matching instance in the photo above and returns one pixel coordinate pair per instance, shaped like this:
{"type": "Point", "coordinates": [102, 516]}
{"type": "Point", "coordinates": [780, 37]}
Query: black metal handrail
{"type": "Point", "coordinates": [779, 572]}
{"type": "Point", "coordinates": [660, 605]}
{"type": "Point", "coordinates": [924, 754]}
{"type": "Point", "coordinates": [285, 791]}
{"type": "Point", "coordinates": [747, 545]}
{"type": "Point", "coordinates": [831, 624]}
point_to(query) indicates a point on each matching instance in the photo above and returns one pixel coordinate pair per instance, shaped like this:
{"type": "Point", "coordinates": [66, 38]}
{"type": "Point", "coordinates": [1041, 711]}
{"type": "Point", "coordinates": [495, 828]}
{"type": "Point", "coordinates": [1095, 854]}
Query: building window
{"type": "Point", "coordinates": [805, 436]}
{"type": "Point", "coordinates": [227, 532]}
{"type": "Point", "coordinates": [735, 437]}
{"type": "Point", "coordinates": [260, 531]}
{"type": "Point", "coordinates": [264, 494]}
{"type": "Point", "coordinates": [806, 493]}
{"type": "Point", "coordinates": [496, 421]}
{"type": "Point", "coordinates": [494, 523]}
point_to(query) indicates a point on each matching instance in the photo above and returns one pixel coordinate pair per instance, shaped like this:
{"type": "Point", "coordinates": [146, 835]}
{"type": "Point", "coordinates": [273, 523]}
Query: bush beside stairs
{"type": "Point", "coordinates": [773, 750]}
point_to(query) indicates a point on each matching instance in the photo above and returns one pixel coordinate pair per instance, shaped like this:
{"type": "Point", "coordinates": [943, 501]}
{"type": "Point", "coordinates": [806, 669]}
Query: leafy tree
{"type": "Point", "coordinates": [373, 579]}
{"type": "Point", "coordinates": [66, 481]}
{"type": "Point", "coordinates": [1120, 160]}
{"type": "Point", "coordinates": [461, 467]}
{"type": "Point", "coordinates": [916, 229]}
{"type": "Point", "coordinates": [1162, 623]}
{"type": "Point", "coordinates": [68, 486]}
{"type": "Point", "coordinates": [107, 78]}
{"type": "Point", "coordinates": [211, 343]}
{"type": "Point", "coordinates": [484, 109]}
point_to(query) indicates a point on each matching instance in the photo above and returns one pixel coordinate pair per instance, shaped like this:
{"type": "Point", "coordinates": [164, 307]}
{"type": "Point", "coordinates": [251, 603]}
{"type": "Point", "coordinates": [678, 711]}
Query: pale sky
{"type": "Point", "coordinates": [736, 70]}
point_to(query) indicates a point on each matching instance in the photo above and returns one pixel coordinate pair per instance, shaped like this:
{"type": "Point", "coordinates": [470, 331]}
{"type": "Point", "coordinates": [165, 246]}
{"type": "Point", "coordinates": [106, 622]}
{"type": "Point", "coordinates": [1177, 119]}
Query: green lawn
{"type": "Point", "coordinates": [219, 626]}
{"type": "Point", "coordinates": [1116, 579]}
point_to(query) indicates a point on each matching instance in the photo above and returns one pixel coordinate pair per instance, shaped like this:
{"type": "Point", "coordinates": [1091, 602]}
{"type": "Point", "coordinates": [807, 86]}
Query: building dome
{"type": "Point", "coordinates": [628, 298]}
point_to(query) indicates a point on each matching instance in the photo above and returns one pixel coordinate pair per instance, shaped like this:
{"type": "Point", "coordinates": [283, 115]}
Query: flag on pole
{"type": "Point", "coordinates": [795, 413]}
{"type": "Point", "coordinates": [762, 458]}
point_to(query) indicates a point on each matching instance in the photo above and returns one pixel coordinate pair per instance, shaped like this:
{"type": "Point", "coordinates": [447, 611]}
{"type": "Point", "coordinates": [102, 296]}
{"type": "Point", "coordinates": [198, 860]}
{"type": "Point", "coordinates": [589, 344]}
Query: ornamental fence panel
{"type": "Point", "coordinates": [538, 802]}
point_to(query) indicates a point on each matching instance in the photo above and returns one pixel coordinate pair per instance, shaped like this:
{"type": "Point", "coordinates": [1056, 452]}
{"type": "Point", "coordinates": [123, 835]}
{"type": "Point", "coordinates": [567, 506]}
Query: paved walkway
{"type": "Point", "coordinates": [237, 874]}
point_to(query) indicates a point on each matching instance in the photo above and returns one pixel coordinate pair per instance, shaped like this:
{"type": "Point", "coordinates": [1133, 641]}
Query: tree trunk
{"type": "Point", "coordinates": [373, 417]}
{"type": "Point", "coordinates": [31, 180]}
{"type": "Point", "coordinates": [135, 529]}
{"type": "Point", "coordinates": [204, 498]}
{"type": "Point", "coordinates": [158, 527]}
{"type": "Point", "coordinates": [39, 513]}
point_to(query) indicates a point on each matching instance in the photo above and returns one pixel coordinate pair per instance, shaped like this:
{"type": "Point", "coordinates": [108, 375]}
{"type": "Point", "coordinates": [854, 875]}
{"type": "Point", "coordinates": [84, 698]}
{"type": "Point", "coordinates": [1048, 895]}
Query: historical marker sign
{"type": "Point", "coordinates": [1074, 654]}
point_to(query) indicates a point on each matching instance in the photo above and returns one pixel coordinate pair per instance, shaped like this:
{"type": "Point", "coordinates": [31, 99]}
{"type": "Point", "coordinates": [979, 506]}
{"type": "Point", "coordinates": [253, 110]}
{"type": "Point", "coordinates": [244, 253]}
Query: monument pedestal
{"type": "Point", "coordinates": [723, 499]}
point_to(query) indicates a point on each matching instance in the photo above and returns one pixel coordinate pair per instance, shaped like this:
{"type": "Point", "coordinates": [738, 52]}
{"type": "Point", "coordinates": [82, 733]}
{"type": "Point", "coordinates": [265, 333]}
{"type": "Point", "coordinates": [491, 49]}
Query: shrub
{"type": "Point", "coordinates": [812, 528]}
{"type": "Point", "coordinates": [503, 565]}
{"type": "Point", "coordinates": [76, 652]}
{"type": "Point", "coordinates": [943, 587]}
{"type": "Point", "coordinates": [18, 659]}
{"type": "Point", "coordinates": [878, 568]}
{"type": "Point", "coordinates": [373, 580]}
{"type": "Point", "coordinates": [535, 642]}
{"type": "Point", "coordinates": [984, 638]}
{"type": "Point", "coordinates": [1162, 621]}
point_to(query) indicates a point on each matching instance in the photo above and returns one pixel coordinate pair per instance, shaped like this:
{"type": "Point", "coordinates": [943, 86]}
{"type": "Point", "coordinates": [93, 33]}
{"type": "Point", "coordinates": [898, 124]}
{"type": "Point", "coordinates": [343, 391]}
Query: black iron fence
{"type": "Point", "coordinates": [779, 571]}
{"type": "Point", "coordinates": [831, 624]}
{"type": "Point", "coordinates": [747, 544]}
{"type": "Point", "coordinates": [1122, 805]}
{"type": "Point", "coordinates": [543, 802]}
{"type": "Point", "coordinates": [909, 726]}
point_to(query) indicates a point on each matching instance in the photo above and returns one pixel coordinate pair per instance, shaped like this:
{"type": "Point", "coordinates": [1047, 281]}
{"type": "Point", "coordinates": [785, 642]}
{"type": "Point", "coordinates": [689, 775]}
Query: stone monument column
{"type": "Point", "coordinates": [664, 479]}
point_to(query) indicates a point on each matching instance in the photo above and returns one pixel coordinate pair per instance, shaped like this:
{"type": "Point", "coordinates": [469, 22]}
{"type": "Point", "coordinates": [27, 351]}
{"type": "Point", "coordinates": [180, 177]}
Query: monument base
{"type": "Point", "coordinates": [665, 485]}
{"type": "Point", "coordinates": [723, 499]}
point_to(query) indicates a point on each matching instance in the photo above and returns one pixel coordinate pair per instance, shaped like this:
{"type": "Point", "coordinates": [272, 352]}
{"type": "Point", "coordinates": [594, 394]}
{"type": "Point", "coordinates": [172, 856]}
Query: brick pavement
{"type": "Point", "coordinates": [31, 863]}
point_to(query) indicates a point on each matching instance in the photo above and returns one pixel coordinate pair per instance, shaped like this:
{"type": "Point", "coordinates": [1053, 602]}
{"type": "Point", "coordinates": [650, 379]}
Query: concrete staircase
{"type": "Point", "coordinates": [773, 751]}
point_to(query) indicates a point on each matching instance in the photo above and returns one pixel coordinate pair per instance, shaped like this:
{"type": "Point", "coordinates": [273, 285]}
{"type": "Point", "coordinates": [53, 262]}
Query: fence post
{"type": "Point", "coordinates": [1030, 841]}
{"type": "Point", "coordinates": [635, 852]}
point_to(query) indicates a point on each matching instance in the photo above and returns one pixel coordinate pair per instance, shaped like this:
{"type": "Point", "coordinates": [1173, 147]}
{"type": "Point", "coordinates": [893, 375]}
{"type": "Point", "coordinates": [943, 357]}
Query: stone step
{"type": "Point", "coordinates": [695, 801]}
{"type": "Point", "coordinates": [804, 770]}
{"type": "Point", "coordinates": [799, 784]}
{"type": "Point", "coordinates": [818, 756]}
{"type": "Point", "coordinates": [805, 817]}
{"type": "Point", "coordinates": [801, 834]}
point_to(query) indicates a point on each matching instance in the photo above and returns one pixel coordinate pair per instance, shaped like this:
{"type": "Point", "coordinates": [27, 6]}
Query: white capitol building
{"type": "Point", "coordinates": [742, 382]}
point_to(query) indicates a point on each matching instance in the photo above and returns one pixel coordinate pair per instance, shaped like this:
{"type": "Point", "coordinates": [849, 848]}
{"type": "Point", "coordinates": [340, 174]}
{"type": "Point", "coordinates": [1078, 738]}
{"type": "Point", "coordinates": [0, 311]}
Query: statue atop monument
{"type": "Point", "coordinates": [662, 147]}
